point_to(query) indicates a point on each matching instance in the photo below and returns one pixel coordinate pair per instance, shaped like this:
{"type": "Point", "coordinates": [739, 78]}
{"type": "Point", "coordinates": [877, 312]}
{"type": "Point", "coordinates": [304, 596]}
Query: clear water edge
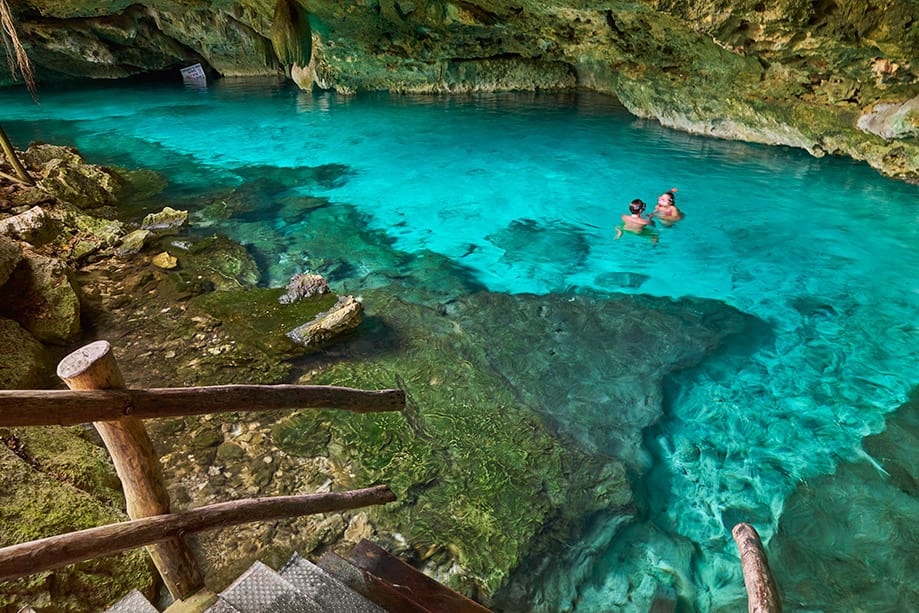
{"type": "Point", "coordinates": [821, 250]}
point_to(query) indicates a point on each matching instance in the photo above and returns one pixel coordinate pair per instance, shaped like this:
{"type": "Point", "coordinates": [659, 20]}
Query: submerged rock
{"type": "Point", "coordinates": [255, 318]}
{"type": "Point", "coordinates": [854, 526]}
{"type": "Point", "coordinates": [165, 261]}
{"type": "Point", "coordinates": [167, 221]}
{"type": "Point", "coordinates": [221, 262]}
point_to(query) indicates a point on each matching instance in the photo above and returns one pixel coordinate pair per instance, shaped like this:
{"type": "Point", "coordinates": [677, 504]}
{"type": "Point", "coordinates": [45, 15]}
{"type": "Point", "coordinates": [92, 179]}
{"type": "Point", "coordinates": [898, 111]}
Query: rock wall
{"type": "Point", "coordinates": [831, 76]}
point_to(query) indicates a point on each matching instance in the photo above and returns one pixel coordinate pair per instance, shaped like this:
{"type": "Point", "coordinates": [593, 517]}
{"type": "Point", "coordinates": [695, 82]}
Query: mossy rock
{"type": "Point", "coordinates": [256, 318]}
{"type": "Point", "coordinates": [43, 300]}
{"type": "Point", "coordinates": [10, 255]}
{"type": "Point", "coordinates": [226, 264]}
{"type": "Point", "coordinates": [52, 482]}
{"type": "Point", "coordinates": [22, 358]}
{"type": "Point", "coordinates": [478, 476]}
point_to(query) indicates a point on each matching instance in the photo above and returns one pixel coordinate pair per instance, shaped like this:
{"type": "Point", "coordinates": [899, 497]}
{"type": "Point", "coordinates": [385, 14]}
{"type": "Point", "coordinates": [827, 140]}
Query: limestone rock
{"type": "Point", "coordinates": [304, 286]}
{"type": "Point", "coordinates": [83, 234]}
{"type": "Point", "coordinates": [10, 254]}
{"type": "Point", "coordinates": [872, 500]}
{"type": "Point", "coordinates": [736, 70]}
{"type": "Point", "coordinates": [22, 363]}
{"type": "Point", "coordinates": [133, 243]}
{"type": "Point", "coordinates": [892, 120]}
{"type": "Point", "coordinates": [345, 315]}
{"type": "Point", "coordinates": [216, 260]}
{"type": "Point", "coordinates": [165, 261]}
{"type": "Point", "coordinates": [63, 172]}
{"type": "Point", "coordinates": [43, 300]}
{"type": "Point", "coordinates": [33, 226]}
{"type": "Point", "coordinates": [167, 221]}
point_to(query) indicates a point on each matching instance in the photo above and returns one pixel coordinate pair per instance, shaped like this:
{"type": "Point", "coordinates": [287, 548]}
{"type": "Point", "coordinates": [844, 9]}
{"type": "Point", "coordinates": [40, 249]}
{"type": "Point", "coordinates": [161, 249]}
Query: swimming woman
{"type": "Point", "coordinates": [666, 209]}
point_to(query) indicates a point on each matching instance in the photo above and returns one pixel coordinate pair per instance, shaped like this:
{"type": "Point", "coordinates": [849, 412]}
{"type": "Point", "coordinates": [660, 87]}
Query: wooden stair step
{"type": "Point", "coordinates": [436, 597]}
{"type": "Point", "coordinates": [372, 588]}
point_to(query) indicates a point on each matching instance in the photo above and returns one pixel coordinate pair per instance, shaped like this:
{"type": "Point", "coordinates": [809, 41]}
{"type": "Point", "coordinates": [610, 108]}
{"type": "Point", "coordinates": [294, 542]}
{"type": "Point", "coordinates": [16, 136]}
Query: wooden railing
{"type": "Point", "coordinates": [97, 394]}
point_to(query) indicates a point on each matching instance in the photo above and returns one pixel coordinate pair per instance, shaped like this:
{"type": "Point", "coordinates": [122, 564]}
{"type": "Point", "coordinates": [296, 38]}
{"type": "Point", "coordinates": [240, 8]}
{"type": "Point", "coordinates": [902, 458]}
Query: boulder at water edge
{"type": "Point", "coordinates": [42, 299]}
{"type": "Point", "coordinates": [62, 172]}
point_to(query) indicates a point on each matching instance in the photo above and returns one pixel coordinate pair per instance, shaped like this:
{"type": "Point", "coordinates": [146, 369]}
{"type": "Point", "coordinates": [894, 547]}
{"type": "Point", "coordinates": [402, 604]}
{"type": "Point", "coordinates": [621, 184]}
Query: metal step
{"type": "Point", "coordinates": [134, 602]}
{"type": "Point", "coordinates": [331, 594]}
{"type": "Point", "coordinates": [262, 590]}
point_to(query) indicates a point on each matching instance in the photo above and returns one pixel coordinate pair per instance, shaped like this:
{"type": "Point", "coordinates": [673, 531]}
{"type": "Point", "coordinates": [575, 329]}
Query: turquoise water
{"type": "Point", "coordinates": [821, 250]}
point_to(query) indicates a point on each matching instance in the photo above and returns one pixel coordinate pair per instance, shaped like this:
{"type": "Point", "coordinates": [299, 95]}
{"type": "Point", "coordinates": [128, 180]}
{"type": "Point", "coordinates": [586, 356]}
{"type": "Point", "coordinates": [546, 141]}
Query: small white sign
{"type": "Point", "coordinates": [193, 74]}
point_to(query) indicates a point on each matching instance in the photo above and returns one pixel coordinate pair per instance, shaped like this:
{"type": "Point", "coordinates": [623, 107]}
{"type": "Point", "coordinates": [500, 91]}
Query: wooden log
{"type": "Point", "coordinates": [56, 551]}
{"type": "Point", "coordinates": [136, 462]}
{"type": "Point", "coordinates": [762, 592]}
{"type": "Point", "coordinates": [68, 407]}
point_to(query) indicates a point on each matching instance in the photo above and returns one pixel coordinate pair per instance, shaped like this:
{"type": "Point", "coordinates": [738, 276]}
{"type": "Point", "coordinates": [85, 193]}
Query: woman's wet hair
{"type": "Point", "coordinates": [636, 207]}
{"type": "Point", "coordinates": [671, 194]}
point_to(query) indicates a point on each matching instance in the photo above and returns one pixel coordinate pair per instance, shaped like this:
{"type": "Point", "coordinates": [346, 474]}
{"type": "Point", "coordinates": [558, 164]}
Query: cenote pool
{"type": "Point", "coordinates": [521, 192]}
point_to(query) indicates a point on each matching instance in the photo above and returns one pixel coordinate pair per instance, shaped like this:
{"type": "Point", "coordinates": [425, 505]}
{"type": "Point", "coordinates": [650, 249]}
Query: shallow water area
{"type": "Point", "coordinates": [522, 192]}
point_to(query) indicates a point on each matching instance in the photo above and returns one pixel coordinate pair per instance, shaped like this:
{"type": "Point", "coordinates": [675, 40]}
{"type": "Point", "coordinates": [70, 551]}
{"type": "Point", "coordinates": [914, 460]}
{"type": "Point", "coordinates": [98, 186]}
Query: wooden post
{"type": "Point", "coordinates": [94, 367]}
{"type": "Point", "coordinates": [15, 164]}
{"type": "Point", "coordinates": [762, 592]}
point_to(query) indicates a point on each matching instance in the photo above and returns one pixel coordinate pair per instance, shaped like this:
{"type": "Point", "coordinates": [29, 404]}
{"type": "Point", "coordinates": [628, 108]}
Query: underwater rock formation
{"type": "Point", "coordinates": [829, 77]}
{"type": "Point", "coordinates": [874, 503]}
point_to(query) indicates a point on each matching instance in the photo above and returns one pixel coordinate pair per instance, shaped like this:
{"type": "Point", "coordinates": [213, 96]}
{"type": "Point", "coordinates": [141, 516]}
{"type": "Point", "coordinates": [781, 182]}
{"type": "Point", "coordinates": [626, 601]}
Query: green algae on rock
{"type": "Point", "coordinates": [22, 360]}
{"type": "Point", "coordinates": [265, 322]}
{"type": "Point", "coordinates": [52, 481]}
{"type": "Point", "coordinates": [62, 172]}
{"type": "Point", "coordinates": [44, 301]}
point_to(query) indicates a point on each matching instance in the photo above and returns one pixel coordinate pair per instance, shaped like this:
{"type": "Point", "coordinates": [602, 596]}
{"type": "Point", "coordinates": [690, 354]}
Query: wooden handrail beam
{"type": "Point", "coordinates": [762, 592]}
{"type": "Point", "coordinates": [57, 551]}
{"type": "Point", "coordinates": [69, 407]}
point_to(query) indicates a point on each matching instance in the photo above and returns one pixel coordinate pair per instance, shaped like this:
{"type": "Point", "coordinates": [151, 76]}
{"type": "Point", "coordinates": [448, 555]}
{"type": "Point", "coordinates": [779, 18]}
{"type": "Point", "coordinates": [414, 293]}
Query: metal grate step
{"type": "Point", "coordinates": [134, 602]}
{"type": "Point", "coordinates": [262, 590]}
{"type": "Point", "coordinates": [331, 594]}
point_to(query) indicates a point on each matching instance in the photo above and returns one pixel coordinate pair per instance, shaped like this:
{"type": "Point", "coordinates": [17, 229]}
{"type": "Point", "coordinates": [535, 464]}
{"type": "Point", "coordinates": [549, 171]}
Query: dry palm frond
{"type": "Point", "coordinates": [15, 53]}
